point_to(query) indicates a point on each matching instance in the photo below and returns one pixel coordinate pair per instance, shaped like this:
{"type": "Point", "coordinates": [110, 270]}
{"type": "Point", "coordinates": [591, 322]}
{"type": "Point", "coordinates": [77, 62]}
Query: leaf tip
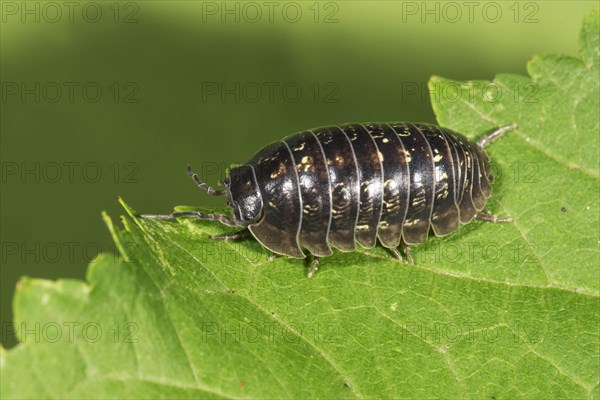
{"type": "Point", "coordinates": [22, 283]}
{"type": "Point", "coordinates": [130, 211]}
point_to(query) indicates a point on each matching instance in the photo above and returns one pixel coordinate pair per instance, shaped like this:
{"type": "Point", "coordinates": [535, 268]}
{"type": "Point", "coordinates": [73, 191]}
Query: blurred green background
{"type": "Point", "coordinates": [106, 98]}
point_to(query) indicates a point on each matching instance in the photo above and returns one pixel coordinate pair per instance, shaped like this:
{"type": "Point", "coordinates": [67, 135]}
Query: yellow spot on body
{"type": "Point", "coordinates": [385, 140]}
{"type": "Point", "coordinates": [280, 171]}
{"type": "Point", "coordinates": [380, 155]}
{"type": "Point", "coordinates": [410, 222]}
{"type": "Point", "coordinates": [437, 158]}
{"type": "Point", "coordinates": [305, 164]}
{"type": "Point", "coordinates": [419, 199]}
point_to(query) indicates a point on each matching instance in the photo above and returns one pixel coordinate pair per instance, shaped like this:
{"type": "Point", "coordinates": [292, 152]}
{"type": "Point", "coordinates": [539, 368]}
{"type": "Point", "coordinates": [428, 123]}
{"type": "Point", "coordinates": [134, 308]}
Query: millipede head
{"type": "Point", "coordinates": [243, 195]}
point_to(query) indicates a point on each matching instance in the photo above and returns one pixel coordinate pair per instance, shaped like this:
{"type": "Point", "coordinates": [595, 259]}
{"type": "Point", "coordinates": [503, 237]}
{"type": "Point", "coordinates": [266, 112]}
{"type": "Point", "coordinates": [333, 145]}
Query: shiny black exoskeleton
{"type": "Point", "coordinates": [338, 185]}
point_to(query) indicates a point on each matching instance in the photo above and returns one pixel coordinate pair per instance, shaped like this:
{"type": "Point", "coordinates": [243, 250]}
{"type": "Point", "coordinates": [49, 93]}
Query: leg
{"type": "Point", "coordinates": [486, 216]}
{"type": "Point", "coordinates": [232, 236]}
{"type": "Point", "coordinates": [313, 266]}
{"type": "Point", "coordinates": [408, 253]}
{"type": "Point", "coordinates": [397, 253]}
{"type": "Point", "coordinates": [224, 219]}
{"type": "Point", "coordinates": [273, 256]}
{"type": "Point", "coordinates": [409, 257]}
{"type": "Point", "coordinates": [487, 139]}
{"type": "Point", "coordinates": [202, 185]}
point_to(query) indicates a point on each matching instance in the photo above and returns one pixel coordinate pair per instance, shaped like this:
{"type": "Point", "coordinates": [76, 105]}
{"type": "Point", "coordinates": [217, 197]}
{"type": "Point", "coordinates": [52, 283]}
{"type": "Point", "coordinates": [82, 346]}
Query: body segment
{"type": "Point", "coordinates": [315, 191]}
{"type": "Point", "coordinates": [344, 185]}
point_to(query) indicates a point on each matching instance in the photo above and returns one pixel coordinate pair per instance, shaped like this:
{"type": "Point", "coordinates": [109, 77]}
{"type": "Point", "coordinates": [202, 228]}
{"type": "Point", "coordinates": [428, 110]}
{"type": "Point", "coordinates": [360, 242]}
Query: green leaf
{"type": "Point", "coordinates": [491, 311]}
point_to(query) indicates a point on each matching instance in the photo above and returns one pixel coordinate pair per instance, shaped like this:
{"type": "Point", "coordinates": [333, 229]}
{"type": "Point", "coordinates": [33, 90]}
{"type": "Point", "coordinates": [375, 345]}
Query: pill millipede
{"type": "Point", "coordinates": [336, 186]}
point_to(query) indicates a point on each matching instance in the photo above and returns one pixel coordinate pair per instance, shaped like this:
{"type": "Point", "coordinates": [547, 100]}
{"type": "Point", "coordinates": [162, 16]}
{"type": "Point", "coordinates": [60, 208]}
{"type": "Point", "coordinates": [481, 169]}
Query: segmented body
{"type": "Point", "coordinates": [337, 186]}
